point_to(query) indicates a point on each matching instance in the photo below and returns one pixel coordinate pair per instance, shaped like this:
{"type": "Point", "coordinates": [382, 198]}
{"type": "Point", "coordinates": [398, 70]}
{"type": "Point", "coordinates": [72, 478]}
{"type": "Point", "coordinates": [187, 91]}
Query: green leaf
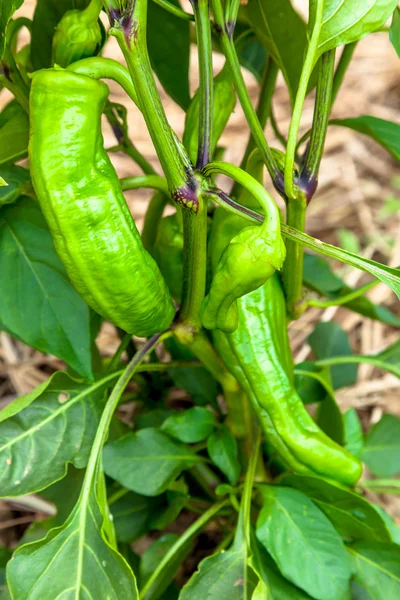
{"type": "Point", "coordinates": [33, 279]}
{"type": "Point", "coordinates": [358, 593]}
{"type": "Point", "coordinates": [152, 557]}
{"type": "Point", "coordinates": [389, 276]}
{"type": "Point", "coordinates": [43, 431]}
{"type": "Point", "coordinates": [386, 133]}
{"type": "Point", "coordinates": [18, 183]}
{"type": "Point", "coordinates": [223, 451]}
{"type": "Point", "coordinates": [290, 526]}
{"type": "Point", "coordinates": [353, 433]}
{"type": "Point", "coordinates": [319, 277]}
{"type": "Point", "coordinates": [391, 354]}
{"type": "Point", "coordinates": [283, 33]}
{"type": "Point", "coordinates": [190, 426]}
{"type": "Point", "coordinates": [329, 416]}
{"type": "Point", "coordinates": [381, 452]}
{"type": "Point", "coordinates": [352, 515]}
{"type": "Point", "coordinates": [251, 53]}
{"type": "Point", "coordinates": [176, 498]}
{"type": "Point", "coordinates": [168, 39]}
{"type": "Point", "coordinates": [394, 33]}
{"type": "Point", "coordinates": [5, 555]}
{"type": "Point", "coordinates": [224, 103]}
{"type": "Point", "coordinates": [47, 15]}
{"type": "Point", "coordinates": [393, 528]}
{"type": "Point", "coordinates": [346, 21]}
{"type": "Point", "coordinates": [146, 462]}
{"type": "Point", "coordinates": [7, 9]}
{"type": "Point", "coordinates": [14, 135]}
{"type": "Point", "coordinates": [131, 515]}
{"type": "Point", "coordinates": [272, 586]}
{"type": "Point", "coordinates": [377, 568]}
{"type": "Point", "coordinates": [76, 558]}
{"type": "Point", "coordinates": [329, 339]}
{"type": "Point", "coordinates": [221, 575]}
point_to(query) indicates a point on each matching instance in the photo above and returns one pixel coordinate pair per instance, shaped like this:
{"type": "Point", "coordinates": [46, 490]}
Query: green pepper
{"type": "Point", "coordinates": [78, 35]}
{"type": "Point", "coordinates": [81, 198]}
{"type": "Point", "coordinates": [249, 260]}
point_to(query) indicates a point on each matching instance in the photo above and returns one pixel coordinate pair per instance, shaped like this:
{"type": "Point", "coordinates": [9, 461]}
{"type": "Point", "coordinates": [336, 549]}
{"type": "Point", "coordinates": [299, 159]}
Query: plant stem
{"type": "Point", "coordinates": [225, 34]}
{"type": "Point", "coordinates": [99, 67]}
{"type": "Point", "coordinates": [263, 110]}
{"type": "Point", "coordinates": [361, 359]}
{"type": "Point", "coordinates": [339, 301]}
{"type": "Point", "coordinates": [194, 264]}
{"type": "Point", "coordinates": [174, 10]}
{"type": "Point", "coordinates": [154, 182]}
{"type": "Point", "coordinates": [183, 539]}
{"type": "Point", "coordinates": [19, 94]}
{"type": "Point", "coordinates": [299, 102]}
{"type": "Point", "coordinates": [129, 27]}
{"type": "Point", "coordinates": [120, 350]}
{"type": "Point", "coordinates": [92, 11]}
{"type": "Point", "coordinates": [248, 487]}
{"type": "Point", "coordinates": [278, 134]}
{"type": "Point", "coordinates": [294, 263]}
{"type": "Point", "coordinates": [308, 179]}
{"type": "Point", "coordinates": [201, 9]}
{"type": "Point", "coordinates": [341, 69]}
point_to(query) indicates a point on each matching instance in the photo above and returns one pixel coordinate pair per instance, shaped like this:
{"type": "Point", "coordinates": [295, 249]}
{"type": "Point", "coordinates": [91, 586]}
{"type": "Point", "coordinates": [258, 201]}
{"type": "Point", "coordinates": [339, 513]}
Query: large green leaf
{"type": "Point", "coordinates": [395, 31]}
{"type": "Point", "coordinates": [386, 133]}
{"type": "Point", "coordinates": [381, 452]}
{"type": "Point", "coordinates": [346, 21]}
{"type": "Point", "coordinates": [47, 15]}
{"type": "Point", "coordinates": [288, 514]}
{"type": "Point", "coordinates": [73, 561]}
{"type": "Point", "coordinates": [168, 39]}
{"type": "Point", "coordinates": [377, 568]}
{"type": "Point", "coordinates": [283, 33]}
{"type": "Point", "coordinates": [7, 9]}
{"type": "Point", "coordinates": [329, 339]}
{"type": "Point", "coordinates": [14, 134]}
{"type": "Point", "coordinates": [353, 433]}
{"type": "Point", "coordinates": [42, 432]}
{"type": "Point", "coordinates": [131, 515]}
{"type": "Point", "coordinates": [319, 276]}
{"type": "Point", "coordinates": [38, 304]}
{"type": "Point", "coordinates": [146, 462]}
{"type": "Point", "coordinates": [190, 426]}
{"type": "Point", "coordinates": [352, 515]}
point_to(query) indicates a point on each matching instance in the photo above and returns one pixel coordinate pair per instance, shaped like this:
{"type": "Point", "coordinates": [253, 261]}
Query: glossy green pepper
{"type": "Point", "coordinates": [249, 260]}
{"type": "Point", "coordinates": [81, 198]}
{"type": "Point", "coordinates": [78, 35]}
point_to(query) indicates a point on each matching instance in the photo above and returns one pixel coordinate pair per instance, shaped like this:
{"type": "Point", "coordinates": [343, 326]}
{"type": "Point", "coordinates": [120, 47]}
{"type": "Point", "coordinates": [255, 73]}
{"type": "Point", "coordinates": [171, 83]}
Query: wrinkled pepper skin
{"type": "Point", "coordinates": [76, 37]}
{"type": "Point", "coordinates": [258, 355]}
{"type": "Point", "coordinates": [78, 190]}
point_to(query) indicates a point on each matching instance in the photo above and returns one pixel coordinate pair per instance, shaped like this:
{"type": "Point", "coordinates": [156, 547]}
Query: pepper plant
{"type": "Point", "coordinates": [240, 492]}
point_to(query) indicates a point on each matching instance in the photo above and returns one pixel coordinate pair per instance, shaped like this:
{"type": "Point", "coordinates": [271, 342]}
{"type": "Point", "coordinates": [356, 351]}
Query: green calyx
{"type": "Point", "coordinates": [78, 35]}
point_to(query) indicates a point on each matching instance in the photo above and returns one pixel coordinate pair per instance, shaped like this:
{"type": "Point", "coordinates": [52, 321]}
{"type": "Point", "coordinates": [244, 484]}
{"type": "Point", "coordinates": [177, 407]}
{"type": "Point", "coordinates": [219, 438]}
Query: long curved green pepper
{"type": "Point", "coordinates": [80, 196]}
{"type": "Point", "coordinates": [250, 258]}
{"type": "Point", "coordinates": [258, 354]}
{"type": "Point", "coordinates": [78, 35]}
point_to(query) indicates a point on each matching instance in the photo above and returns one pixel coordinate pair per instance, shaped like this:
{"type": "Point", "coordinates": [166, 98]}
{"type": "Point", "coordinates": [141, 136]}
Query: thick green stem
{"type": "Point", "coordinates": [194, 264]}
{"type": "Point", "coordinates": [341, 69]}
{"type": "Point", "coordinates": [308, 179]}
{"type": "Point", "coordinates": [129, 27]}
{"type": "Point", "coordinates": [308, 66]}
{"type": "Point", "coordinates": [293, 267]}
{"type": "Point", "coordinates": [225, 32]}
{"type": "Point", "coordinates": [92, 11]}
{"type": "Point", "coordinates": [201, 9]}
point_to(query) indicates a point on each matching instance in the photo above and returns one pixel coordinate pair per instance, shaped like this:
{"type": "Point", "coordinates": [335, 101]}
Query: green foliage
{"type": "Point", "coordinates": [376, 567]}
{"type": "Point", "coordinates": [395, 31]}
{"type": "Point", "coordinates": [329, 339]}
{"type": "Point", "coordinates": [14, 133]}
{"type": "Point", "coordinates": [381, 451]}
{"type": "Point", "coordinates": [7, 9]}
{"type": "Point", "coordinates": [386, 133]}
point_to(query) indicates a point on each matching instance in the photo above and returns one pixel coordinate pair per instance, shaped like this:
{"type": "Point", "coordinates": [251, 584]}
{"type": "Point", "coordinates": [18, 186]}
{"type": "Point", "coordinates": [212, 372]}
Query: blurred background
{"type": "Point", "coordinates": [357, 206]}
